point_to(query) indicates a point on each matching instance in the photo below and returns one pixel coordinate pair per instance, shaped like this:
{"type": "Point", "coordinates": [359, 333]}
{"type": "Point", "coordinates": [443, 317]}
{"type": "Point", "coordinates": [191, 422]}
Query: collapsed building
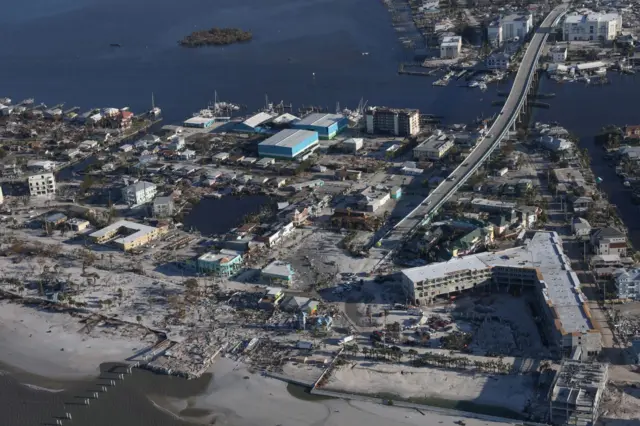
{"type": "Point", "coordinates": [576, 393]}
{"type": "Point", "coordinates": [539, 265]}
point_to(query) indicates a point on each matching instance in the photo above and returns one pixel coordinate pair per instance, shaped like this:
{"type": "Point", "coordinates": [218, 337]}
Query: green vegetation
{"type": "Point", "coordinates": [216, 37]}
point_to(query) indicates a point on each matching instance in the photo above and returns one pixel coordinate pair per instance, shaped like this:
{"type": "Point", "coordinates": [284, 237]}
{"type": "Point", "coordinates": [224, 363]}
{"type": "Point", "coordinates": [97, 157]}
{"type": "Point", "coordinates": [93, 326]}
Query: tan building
{"type": "Point", "coordinates": [127, 235]}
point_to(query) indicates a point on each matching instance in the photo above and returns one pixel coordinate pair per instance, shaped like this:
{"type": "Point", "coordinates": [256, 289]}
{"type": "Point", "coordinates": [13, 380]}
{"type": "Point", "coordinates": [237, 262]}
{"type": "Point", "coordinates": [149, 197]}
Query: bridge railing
{"type": "Point", "coordinates": [513, 116]}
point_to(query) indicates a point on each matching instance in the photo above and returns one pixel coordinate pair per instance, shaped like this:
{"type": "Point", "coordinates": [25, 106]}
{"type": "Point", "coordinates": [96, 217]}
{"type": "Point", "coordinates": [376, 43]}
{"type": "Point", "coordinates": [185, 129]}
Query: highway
{"type": "Point", "coordinates": [500, 127]}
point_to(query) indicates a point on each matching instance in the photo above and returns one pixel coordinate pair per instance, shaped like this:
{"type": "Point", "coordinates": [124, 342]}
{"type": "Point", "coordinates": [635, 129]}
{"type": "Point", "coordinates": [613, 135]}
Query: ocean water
{"type": "Point", "coordinates": [59, 51]}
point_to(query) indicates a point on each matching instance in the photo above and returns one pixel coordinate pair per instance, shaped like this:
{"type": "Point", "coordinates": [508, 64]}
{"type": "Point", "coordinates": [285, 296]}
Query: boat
{"type": "Point", "coordinates": [474, 83]}
{"type": "Point", "coordinates": [627, 184]}
{"type": "Point", "coordinates": [154, 111]}
{"type": "Point", "coordinates": [365, 53]}
{"type": "Point", "coordinates": [482, 86]}
{"type": "Point", "coordinates": [115, 45]}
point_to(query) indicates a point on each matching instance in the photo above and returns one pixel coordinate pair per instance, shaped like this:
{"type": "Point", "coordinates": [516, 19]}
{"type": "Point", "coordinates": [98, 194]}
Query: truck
{"type": "Point", "coordinates": [346, 340]}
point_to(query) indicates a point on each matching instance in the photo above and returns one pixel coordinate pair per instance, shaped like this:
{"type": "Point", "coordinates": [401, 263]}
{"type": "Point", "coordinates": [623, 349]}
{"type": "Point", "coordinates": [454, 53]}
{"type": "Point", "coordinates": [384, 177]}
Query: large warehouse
{"type": "Point", "coordinates": [288, 143]}
{"type": "Point", "coordinates": [327, 125]}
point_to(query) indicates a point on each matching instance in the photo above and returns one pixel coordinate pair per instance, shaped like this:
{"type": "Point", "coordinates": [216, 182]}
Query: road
{"type": "Point", "coordinates": [498, 130]}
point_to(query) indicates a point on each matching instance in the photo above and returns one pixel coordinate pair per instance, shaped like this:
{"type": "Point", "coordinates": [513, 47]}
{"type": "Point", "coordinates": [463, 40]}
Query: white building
{"type": "Point", "coordinates": [398, 122]}
{"type": "Point", "coordinates": [558, 53]}
{"type": "Point", "coordinates": [540, 265]}
{"type": "Point", "coordinates": [88, 145]}
{"type": "Point", "coordinates": [591, 26]}
{"type": "Point", "coordinates": [498, 61]}
{"type": "Point", "coordinates": [353, 144]}
{"type": "Point", "coordinates": [494, 34]}
{"type": "Point", "coordinates": [42, 184]}
{"type": "Point", "coordinates": [163, 207]}
{"type": "Point", "coordinates": [628, 283]}
{"type": "Point", "coordinates": [516, 25]}
{"type": "Point", "coordinates": [434, 148]}
{"type": "Point", "coordinates": [1, 196]}
{"type": "Point", "coordinates": [450, 47]}
{"type": "Point", "coordinates": [139, 193]}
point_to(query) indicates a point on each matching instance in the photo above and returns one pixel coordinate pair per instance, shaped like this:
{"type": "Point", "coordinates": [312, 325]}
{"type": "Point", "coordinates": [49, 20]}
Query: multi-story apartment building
{"type": "Point", "coordinates": [397, 122]}
{"type": "Point", "coordinates": [42, 184]}
{"type": "Point", "coordinates": [592, 26]}
{"type": "Point", "coordinates": [628, 284]}
{"type": "Point", "coordinates": [139, 193]}
{"type": "Point", "coordinates": [516, 25]}
{"type": "Point", "coordinates": [450, 47]}
{"type": "Point", "coordinates": [540, 266]}
{"type": "Point", "coordinates": [609, 241]}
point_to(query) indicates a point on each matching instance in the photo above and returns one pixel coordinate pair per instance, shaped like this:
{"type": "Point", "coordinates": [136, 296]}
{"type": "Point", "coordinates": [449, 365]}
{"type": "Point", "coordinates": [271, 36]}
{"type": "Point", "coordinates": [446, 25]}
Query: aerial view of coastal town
{"type": "Point", "coordinates": [339, 212]}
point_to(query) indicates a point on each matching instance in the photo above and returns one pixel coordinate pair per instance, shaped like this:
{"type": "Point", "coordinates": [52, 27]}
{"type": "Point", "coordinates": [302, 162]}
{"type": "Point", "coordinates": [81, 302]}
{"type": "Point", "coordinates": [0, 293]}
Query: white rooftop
{"type": "Point", "coordinates": [320, 119]}
{"type": "Point", "coordinates": [289, 138]}
{"type": "Point", "coordinates": [138, 227]}
{"type": "Point", "coordinates": [199, 120]}
{"type": "Point", "coordinates": [559, 283]}
{"type": "Point", "coordinates": [258, 119]}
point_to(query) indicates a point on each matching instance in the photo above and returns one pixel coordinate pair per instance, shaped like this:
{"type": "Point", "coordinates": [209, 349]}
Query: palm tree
{"type": "Point", "coordinates": [365, 352]}
{"type": "Point", "coordinates": [412, 354]}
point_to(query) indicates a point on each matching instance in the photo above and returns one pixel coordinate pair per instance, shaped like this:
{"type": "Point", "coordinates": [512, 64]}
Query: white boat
{"type": "Point", "coordinates": [154, 111]}
{"type": "Point", "coordinates": [482, 86]}
{"type": "Point", "coordinates": [474, 84]}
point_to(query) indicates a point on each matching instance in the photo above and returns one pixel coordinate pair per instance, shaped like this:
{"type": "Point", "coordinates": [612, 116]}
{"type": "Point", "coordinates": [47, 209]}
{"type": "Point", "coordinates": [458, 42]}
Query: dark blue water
{"type": "Point", "coordinates": [58, 51]}
{"type": "Point", "coordinates": [584, 110]}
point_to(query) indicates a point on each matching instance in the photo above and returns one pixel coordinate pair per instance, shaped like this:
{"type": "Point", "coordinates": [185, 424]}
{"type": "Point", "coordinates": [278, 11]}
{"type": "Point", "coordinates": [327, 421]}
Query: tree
{"type": "Point", "coordinates": [139, 319]}
{"type": "Point", "coordinates": [412, 354]}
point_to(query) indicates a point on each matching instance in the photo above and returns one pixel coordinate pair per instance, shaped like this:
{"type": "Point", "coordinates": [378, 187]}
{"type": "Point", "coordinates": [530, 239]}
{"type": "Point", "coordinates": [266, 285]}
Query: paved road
{"type": "Point", "coordinates": [498, 130]}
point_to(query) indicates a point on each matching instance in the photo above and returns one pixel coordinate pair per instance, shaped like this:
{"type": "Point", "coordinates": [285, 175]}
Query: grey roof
{"type": "Point", "coordinates": [140, 186]}
{"type": "Point", "coordinates": [607, 232]}
{"type": "Point", "coordinates": [289, 138]}
{"type": "Point", "coordinates": [320, 119]}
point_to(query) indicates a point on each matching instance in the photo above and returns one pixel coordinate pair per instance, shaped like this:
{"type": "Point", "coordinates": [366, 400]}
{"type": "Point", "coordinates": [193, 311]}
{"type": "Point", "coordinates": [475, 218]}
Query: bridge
{"type": "Point", "coordinates": [505, 121]}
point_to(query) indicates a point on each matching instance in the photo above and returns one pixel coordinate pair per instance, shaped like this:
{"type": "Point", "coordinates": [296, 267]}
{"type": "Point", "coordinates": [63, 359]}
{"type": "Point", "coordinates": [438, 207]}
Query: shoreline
{"type": "Point", "coordinates": [33, 356]}
{"type": "Point", "coordinates": [49, 344]}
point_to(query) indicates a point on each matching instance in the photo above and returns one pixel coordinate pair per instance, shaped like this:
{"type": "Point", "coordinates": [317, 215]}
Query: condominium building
{"type": "Point", "coordinates": [450, 47]}
{"type": "Point", "coordinates": [516, 25]}
{"type": "Point", "coordinates": [163, 207]}
{"type": "Point", "coordinates": [397, 122]}
{"type": "Point", "coordinates": [139, 193]}
{"type": "Point", "coordinates": [628, 283]}
{"type": "Point", "coordinates": [126, 234]}
{"type": "Point", "coordinates": [42, 184]}
{"type": "Point", "coordinates": [539, 265]}
{"type": "Point", "coordinates": [576, 393]}
{"type": "Point", "coordinates": [591, 26]}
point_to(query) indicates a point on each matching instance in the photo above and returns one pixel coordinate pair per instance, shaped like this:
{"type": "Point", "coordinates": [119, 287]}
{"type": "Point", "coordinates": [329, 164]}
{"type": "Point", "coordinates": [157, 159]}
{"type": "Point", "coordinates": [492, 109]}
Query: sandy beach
{"type": "Point", "coordinates": [510, 392]}
{"type": "Point", "coordinates": [31, 340]}
{"type": "Point", "coordinates": [239, 398]}
{"type": "Point", "coordinates": [51, 344]}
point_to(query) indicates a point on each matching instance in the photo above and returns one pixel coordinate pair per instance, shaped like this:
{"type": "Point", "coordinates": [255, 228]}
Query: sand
{"type": "Point", "coordinates": [511, 391]}
{"type": "Point", "coordinates": [50, 344]}
{"type": "Point", "coordinates": [259, 401]}
{"type": "Point", "coordinates": [235, 396]}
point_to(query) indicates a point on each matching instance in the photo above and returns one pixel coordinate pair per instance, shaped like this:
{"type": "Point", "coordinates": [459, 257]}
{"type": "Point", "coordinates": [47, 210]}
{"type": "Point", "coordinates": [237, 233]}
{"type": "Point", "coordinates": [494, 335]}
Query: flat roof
{"type": "Point", "coordinates": [289, 138]}
{"type": "Point", "coordinates": [199, 120]}
{"type": "Point", "coordinates": [278, 268]}
{"type": "Point", "coordinates": [223, 256]}
{"type": "Point", "coordinates": [258, 119]}
{"type": "Point", "coordinates": [434, 142]}
{"type": "Point", "coordinates": [320, 119]}
{"type": "Point", "coordinates": [138, 227]}
{"type": "Point", "coordinates": [141, 185]}
{"type": "Point", "coordinates": [559, 283]}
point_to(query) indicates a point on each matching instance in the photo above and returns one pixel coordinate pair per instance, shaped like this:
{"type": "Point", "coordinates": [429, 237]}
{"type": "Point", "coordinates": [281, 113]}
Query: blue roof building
{"type": "Point", "coordinates": [288, 143]}
{"type": "Point", "coordinates": [327, 125]}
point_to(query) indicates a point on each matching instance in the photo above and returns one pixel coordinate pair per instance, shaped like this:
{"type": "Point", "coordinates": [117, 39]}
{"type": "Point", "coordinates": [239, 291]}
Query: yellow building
{"type": "Point", "coordinates": [127, 235]}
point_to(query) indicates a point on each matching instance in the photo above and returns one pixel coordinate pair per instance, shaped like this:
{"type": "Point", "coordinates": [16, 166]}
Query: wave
{"type": "Point", "coordinates": [42, 389]}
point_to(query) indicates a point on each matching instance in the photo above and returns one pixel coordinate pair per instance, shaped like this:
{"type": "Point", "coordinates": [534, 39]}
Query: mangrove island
{"type": "Point", "coordinates": [216, 37]}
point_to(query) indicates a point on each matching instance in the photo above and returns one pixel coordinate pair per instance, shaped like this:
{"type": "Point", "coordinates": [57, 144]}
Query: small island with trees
{"type": "Point", "coordinates": [216, 37]}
